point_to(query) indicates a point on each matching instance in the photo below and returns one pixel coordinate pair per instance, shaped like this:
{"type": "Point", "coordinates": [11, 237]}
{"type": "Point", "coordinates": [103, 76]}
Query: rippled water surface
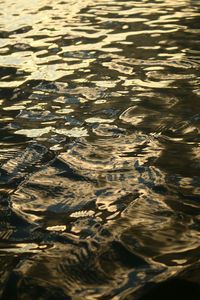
{"type": "Point", "coordinates": [99, 147]}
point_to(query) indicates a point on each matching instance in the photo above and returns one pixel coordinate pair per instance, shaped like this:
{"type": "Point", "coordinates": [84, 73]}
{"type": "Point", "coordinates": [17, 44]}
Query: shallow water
{"type": "Point", "coordinates": [99, 146]}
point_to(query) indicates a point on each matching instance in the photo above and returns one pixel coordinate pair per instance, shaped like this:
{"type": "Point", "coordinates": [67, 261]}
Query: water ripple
{"type": "Point", "coordinates": [99, 148]}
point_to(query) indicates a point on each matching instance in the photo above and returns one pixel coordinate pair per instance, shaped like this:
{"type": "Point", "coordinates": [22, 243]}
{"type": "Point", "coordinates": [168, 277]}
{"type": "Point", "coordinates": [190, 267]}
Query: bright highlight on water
{"type": "Point", "coordinates": [99, 149]}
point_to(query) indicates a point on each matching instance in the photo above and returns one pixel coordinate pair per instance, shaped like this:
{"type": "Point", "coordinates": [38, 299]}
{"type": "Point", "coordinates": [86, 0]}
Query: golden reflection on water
{"type": "Point", "coordinates": [99, 135]}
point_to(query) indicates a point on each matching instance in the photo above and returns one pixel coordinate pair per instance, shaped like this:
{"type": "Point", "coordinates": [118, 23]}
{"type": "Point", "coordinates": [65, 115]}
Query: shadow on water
{"type": "Point", "coordinates": [99, 150]}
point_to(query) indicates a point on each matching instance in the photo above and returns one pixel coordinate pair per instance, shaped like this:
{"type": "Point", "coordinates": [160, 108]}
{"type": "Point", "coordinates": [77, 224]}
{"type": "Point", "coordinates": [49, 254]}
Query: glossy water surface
{"type": "Point", "coordinates": [99, 146]}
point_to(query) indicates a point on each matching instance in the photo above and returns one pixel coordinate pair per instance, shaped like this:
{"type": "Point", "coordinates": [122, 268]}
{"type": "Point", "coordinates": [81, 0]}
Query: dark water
{"type": "Point", "coordinates": [99, 149]}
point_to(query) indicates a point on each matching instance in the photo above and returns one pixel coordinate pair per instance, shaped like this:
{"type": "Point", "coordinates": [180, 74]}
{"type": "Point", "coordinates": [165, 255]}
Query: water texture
{"type": "Point", "coordinates": [99, 149]}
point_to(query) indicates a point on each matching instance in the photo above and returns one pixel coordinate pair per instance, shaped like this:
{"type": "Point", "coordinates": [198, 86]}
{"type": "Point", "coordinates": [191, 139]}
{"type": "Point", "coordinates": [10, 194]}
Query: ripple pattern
{"type": "Point", "coordinates": [99, 149]}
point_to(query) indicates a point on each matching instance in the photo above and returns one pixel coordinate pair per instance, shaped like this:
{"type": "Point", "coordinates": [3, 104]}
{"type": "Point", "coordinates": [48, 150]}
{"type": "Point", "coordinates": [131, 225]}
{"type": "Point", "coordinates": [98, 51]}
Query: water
{"type": "Point", "coordinates": [99, 147]}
